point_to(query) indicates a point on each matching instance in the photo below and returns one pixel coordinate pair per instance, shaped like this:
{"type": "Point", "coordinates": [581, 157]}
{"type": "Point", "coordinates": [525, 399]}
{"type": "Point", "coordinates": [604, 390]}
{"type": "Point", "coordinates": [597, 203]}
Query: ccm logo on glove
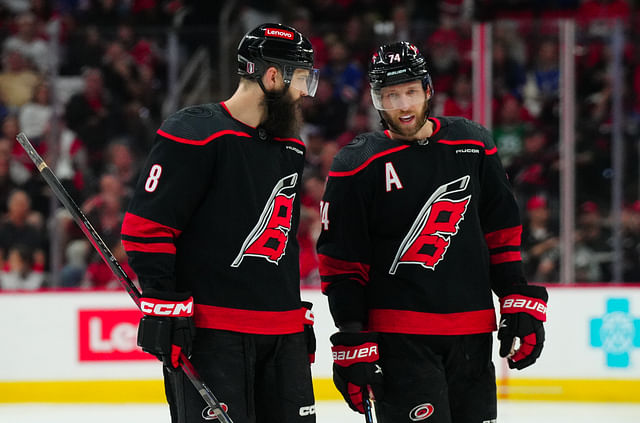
{"type": "Point", "coordinates": [155, 307]}
{"type": "Point", "coordinates": [346, 356]}
{"type": "Point", "coordinates": [519, 304]}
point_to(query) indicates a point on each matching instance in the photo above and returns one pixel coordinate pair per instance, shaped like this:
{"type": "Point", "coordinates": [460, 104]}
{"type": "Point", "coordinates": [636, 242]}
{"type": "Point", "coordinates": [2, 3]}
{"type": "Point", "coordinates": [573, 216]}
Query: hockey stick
{"type": "Point", "coordinates": [368, 414]}
{"type": "Point", "coordinates": [112, 262]}
{"type": "Point", "coordinates": [367, 404]}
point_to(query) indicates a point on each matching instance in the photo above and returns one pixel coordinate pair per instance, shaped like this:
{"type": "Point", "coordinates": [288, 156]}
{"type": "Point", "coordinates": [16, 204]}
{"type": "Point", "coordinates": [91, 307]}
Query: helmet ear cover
{"type": "Point", "coordinates": [257, 67]}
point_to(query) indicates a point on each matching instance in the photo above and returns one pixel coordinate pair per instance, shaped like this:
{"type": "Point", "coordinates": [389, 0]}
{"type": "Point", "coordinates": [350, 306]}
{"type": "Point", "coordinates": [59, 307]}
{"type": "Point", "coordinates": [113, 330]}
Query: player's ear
{"type": "Point", "coordinates": [271, 77]}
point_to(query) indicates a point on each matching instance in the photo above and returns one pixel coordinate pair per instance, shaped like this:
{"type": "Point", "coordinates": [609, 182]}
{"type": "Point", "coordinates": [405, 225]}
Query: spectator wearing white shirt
{"type": "Point", "coordinates": [34, 117]}
{"type": "Point", "coordinates": [19, 271]}
{"type": "Point", "coordinates": [26, 41]}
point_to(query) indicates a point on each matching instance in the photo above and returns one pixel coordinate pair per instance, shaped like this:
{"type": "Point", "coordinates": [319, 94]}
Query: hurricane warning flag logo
{"type": "Point", "coordinates": [430, 235]}
{"type": "Point", "coordinates": [268, 238]}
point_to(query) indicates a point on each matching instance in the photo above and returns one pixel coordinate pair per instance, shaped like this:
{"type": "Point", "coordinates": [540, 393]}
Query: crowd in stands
{"type": "Point", "coordinates": [97, 128]}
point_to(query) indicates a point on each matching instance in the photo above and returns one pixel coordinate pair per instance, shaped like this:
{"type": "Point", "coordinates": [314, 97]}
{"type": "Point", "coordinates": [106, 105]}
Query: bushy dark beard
{"type": "Point", "coordinates": [284, 115]}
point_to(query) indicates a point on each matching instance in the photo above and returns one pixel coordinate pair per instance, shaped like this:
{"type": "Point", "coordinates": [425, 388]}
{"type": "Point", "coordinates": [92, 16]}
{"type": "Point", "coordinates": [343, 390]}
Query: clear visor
{"type": "Point", "coordinates": [398, 97]}
{"type": "Point", "coordinates": [306, 80]}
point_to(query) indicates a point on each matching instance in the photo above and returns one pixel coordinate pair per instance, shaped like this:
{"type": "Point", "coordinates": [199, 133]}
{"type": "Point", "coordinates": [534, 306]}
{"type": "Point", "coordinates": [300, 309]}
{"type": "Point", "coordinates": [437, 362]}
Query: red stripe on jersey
{"type": "Point", "coordinates": [504, 237]}
{"type": "Point", "coordinates": [297, 141]}
{"type": "Point", "coordinates": [249, 321]}
{"type": "Point", "coordinates": [138, 226]}
{"type": "Point", "coordinates": [157, 247]}
{"type": "Point", "coordinates": [418, 323]}
{"type": "Point", "coordinates": [204, 141]}
{"type": "Point", "coordinates": [368, 162]}
{"type": "Point", "coordinates": [505, 257]}
{"type": "Point", "coordinates": [228, 111]}
{"type": "Point", "coordinates": [488, 152]}
{"type": "Point", "coordinates": [460, 142]}
{"type": "Point", "coordinates": [436, 127]}
{"type": "Point", "coordinates": [226, 108]}
{"type": "Point", "coordinates": [330, 266]}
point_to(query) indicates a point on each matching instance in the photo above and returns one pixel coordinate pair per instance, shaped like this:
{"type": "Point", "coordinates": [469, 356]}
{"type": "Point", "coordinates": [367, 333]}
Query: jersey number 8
{"type": "Point", "coordinates": [154, 176]}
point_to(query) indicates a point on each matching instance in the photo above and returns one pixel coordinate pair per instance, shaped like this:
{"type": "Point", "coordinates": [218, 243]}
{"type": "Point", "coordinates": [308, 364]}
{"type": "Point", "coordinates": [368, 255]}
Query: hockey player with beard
{"type": "Point", "coordinates": [211, 234]}
{"type": "Point", "coordinates": [419, 226]}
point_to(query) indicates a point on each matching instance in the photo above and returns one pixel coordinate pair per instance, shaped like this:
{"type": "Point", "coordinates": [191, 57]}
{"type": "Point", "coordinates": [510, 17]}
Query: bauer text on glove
{"type": "Point", "coordinates": [522, 313]}
{"type": "Point", "coordinates": [356, 368]}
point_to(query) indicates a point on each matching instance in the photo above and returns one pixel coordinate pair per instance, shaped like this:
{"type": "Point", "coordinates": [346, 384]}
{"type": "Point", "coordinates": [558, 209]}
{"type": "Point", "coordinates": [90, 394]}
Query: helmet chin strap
{"type": "Point", "coordinates": [273, 95]}
{"type": "Point", "coordinates": [382, 121]}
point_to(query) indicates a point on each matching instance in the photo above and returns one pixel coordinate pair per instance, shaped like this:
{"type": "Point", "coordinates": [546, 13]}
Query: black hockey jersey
{"type": "Point", "coordinates": [416, 235]}
{"type": "Point", "coordinates": [215, 212]}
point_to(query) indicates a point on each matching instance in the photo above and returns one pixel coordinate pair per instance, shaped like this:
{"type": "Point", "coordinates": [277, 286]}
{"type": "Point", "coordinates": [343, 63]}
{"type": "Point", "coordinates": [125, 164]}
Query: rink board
{"type": "Point", "coordinates": [80, 347]}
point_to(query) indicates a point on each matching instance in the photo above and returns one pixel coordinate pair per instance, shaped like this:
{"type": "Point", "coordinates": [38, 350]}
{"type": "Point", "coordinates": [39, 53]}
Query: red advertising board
{"type": "Point", "coordinates": [109, 335]}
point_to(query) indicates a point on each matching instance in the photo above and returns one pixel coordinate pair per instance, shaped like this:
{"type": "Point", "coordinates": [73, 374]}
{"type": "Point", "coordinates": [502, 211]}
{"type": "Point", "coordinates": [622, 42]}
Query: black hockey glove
{"type": "Point", "coordinates": [522, 313]}
{"type": "Point", "coordinates": [309, 334]}
{"type": "Point", "coordinates": [356, 371]}
{"type": "Point", "coordinates": [167, 328]}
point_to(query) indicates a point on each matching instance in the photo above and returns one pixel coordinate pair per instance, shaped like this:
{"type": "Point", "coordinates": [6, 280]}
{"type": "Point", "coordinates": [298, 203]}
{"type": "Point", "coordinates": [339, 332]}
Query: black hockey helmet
{"type": "Point", "coordinates": [274, 44]}
{"type": "Point", "coordinates": [394, 64]}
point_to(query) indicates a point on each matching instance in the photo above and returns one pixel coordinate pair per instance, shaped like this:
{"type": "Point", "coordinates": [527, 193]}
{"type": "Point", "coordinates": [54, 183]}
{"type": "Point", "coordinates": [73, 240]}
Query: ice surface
{"type": "Point", "coordinates": [327, 412]}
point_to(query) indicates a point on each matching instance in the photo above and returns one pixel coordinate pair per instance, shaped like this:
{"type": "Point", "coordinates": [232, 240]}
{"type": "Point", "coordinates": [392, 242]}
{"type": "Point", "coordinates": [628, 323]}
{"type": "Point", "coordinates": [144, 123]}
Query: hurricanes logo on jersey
{"type": "Point", "coordinates": [268, 238]}
{"type": "Point", "coordinates": [428, 239]}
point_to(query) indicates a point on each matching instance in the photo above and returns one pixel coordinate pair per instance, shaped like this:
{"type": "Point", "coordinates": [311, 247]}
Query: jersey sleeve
{"type": "Point", "coordinates": [501, 223]}
{"type": "Point", "coordinates": [172, 182]}
{"type": "Point", "coordinates": [343, 245]}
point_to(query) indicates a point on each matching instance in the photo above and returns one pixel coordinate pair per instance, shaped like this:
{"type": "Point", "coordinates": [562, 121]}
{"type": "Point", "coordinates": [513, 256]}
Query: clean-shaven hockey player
{"type": "Point", "coordinates": [419, 225]}
{"type": "Point", "coordinates": [211, 234]}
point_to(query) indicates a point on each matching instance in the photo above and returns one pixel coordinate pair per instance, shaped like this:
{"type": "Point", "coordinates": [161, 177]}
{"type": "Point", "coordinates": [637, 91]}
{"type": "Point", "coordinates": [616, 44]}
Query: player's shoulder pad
{"type": "Point", "coordinates": [362, 148]}
{"type": "Point", "coordinates": [463, 128]}
{"type": "Point", "coordinates": [194, 123]}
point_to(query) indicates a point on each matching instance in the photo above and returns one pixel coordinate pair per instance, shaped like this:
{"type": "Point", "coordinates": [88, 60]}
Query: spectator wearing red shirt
{"type": "Point", "coordinates": [460, 102]}
{"type": "Point", "coordinates": [309, 228]}
{"type": "Point", "coordinates": [444, 47]}
{"type": "Point", "coordinates": [100, 276]}
{"type": "Point", "coordinates": [302, 22]}
{"type": "Point", "coordinates": [597, 16]}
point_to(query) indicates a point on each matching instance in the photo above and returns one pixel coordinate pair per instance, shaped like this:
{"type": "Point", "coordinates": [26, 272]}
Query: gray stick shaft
{"type": "Point", "coordinates": [368, 413]}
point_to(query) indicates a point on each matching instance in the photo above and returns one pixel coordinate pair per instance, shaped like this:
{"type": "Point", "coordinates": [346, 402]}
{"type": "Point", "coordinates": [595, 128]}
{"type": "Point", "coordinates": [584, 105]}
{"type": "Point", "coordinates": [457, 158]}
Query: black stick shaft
{"type": "Point", "coordinates": [97, 242]}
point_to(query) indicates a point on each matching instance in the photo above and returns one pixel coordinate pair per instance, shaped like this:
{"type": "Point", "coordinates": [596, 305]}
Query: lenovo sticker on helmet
{"type": "Point", "coordinates": [280, 33]}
